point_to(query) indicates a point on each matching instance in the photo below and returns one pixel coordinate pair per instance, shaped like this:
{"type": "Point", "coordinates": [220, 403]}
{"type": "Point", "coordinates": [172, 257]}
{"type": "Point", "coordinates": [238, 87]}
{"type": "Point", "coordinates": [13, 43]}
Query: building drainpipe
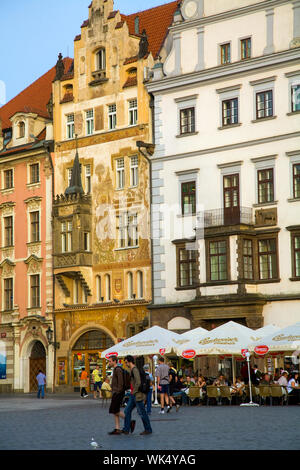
{"type": "Point", "coordinates": [48, 150]}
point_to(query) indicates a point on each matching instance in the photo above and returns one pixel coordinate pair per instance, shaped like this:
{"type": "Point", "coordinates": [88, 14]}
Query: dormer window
{"type": "Point", "coordinates": [101, 60]}
{"type": "Point", "coordinates": [21, 130]}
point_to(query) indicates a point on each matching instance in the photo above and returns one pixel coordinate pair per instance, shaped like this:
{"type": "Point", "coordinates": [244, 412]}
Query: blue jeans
{"type": "Point", "coordinates": [183, 395]}
{"type": "Point", "coordinates": [149, 401]}
{"type": "Point", "coordinates": [41, 389]}
{"type": "Point", "coordinates": [132, 403]}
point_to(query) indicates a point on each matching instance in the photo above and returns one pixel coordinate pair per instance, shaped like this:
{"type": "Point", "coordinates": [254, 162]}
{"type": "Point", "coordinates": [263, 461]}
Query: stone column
{"type": "Point", "coordinates": [296, 25]}
{"type": "Point", "coordinates": [200, 33]}
{"type": "Point", "coordinates": [269, 49]}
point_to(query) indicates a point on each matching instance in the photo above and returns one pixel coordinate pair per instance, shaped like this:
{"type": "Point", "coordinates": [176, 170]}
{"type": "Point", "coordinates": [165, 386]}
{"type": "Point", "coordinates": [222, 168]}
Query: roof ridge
{"type": "Point", "coordinates": [152, 8]}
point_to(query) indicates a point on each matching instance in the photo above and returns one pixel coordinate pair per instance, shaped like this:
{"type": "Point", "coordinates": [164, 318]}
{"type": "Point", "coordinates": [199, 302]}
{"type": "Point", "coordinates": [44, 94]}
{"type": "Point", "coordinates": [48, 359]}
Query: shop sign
{"type": "Point", "coordinates": [244, 352]}
{"type": "Point", "coordinates": [108, 355]}
{"type": "Point", "coordinates": [189, 354]}
{"type": "Point", "coordinates": [261, 350]}
{"type": "Point", "coordinates": [162, 351]}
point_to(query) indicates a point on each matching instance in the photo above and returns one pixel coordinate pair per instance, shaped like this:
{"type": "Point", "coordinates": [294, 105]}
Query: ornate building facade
{"type": "Point", "coordinates": [102, 249]}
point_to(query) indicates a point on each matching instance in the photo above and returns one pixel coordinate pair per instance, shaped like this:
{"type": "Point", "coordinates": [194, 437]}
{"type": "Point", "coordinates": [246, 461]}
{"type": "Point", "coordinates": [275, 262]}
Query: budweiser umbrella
{"type": "Point", "coordinates": [155, 340]}
{"type": "Point", "coordinates": [286, 339]}
{"type": "Point", "coordinates": [264, 331]}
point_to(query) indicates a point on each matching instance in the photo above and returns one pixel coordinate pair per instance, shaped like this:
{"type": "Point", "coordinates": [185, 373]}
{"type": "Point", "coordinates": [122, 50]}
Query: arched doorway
{"type": "Point", "coordinates": [37, 361]}
{"type": "Point", "coordinates": [86, 352]}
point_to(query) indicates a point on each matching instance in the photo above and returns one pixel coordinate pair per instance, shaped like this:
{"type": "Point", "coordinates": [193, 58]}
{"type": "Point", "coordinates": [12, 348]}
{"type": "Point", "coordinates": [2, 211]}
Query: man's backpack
{"type": "Point", "coordinates": [145, 382]}
{"type": "Point", "coordinates": [126, 379]}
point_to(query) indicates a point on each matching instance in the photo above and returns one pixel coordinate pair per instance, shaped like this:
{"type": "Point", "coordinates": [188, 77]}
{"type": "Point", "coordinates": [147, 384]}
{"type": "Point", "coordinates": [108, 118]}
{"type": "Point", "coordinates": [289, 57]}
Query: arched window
{"type": "Point", "coordinates": [21, 129]}
{"type": "Point", "coordinates": [99, 289]}
{"type": "Point", "coordinates": [107, 288]}
{"type": "Point", "coordinates": [140, 284]}
{"type": "Point", "coordinates": [130, 285]}
{"type": "Point", "coordinates": [101, 60]}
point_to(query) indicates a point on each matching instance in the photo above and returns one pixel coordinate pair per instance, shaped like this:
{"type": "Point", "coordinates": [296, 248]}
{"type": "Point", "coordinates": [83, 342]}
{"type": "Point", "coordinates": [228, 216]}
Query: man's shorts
{"type": "Point", "coordinates": [165, 388]}
{"type": "Point", "coordinates": [97, 386]}
{"type": "Point", "coordinates": [116, 403]}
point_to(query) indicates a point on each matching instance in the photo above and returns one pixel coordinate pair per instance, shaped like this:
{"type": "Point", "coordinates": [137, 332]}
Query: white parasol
{"type": "Point", "coordinates": [286, 339]}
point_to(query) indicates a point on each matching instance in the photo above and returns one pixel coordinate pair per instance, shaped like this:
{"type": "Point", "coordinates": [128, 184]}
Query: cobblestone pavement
{"type": "Point", "coordinates": [69, 423]}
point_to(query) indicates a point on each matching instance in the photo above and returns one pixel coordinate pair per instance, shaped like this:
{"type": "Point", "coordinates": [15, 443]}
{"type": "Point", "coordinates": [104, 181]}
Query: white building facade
{"type": "Point", "coordinates": [226, 167]}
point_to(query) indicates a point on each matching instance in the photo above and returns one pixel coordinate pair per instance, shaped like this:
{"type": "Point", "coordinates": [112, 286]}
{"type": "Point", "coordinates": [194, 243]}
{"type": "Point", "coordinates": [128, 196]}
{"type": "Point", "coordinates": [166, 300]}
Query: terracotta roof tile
{"type": "Point", "coordinates": [34, 98]}
{"type": "Point", "coordinates": [131, 81]}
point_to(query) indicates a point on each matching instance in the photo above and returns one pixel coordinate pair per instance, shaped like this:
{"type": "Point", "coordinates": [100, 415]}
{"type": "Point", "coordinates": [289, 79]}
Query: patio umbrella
{"type": "Point", "coordinates": [264, 331]}
{"type": "Point", "coordinates": [155, 340]}
{"type": "Point", "coordinates": [286, 339]}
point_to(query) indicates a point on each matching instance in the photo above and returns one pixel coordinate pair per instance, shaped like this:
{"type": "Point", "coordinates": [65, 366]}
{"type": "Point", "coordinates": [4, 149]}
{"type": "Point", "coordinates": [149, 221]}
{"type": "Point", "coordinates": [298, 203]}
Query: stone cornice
{"type": "Point", "coordinates": [190, 24]}
{"type": "Point", "coordinates": [221, 72]}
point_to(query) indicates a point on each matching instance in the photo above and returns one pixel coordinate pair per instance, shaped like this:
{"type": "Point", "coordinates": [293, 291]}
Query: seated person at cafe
{"type": "Point", "coordinates": [293, 388]}
{"type": "Point", "coordinates": [239, 386]}
{"type": "Point", "coordinates": [266, 380]}
{"type": "Point", "coordinates": [179, 390]}
{"type": "Point", "coordinates": [283, 380]}
{"type": "Point", "coordinates": [220, 381]}
{"type": "Point", "coordinates": [107, 388]}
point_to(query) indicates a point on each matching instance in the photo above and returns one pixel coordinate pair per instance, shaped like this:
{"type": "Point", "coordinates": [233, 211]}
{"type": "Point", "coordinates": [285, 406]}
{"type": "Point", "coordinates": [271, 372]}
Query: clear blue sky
{"type": "Point", "coordinates": [33, 32]}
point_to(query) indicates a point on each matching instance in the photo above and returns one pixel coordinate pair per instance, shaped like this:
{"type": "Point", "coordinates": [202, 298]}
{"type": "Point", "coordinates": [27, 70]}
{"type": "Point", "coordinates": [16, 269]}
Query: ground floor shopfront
{"type": "Point", "coordinates": [83, 334]}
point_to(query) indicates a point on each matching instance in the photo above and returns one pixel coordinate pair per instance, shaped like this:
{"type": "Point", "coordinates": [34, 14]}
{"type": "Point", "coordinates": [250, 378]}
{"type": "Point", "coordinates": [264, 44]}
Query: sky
{"type": "Point", "coordinates": [34, 32]}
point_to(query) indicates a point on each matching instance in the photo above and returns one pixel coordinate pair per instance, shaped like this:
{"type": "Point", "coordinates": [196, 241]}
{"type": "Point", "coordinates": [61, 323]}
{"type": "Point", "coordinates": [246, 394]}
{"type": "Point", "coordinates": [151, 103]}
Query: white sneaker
{"type": "Point", "coordinates": [85, 396]}
{"type": "Point", "coordinates": [162, 412]}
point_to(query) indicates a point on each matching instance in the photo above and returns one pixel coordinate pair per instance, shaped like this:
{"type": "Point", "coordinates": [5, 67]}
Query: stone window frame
{"type": "Point", "coordinates": [5, 278]}
{"type": "Point", "coordinates": [188, 176]}
{"type": "Point", "coordinates": [182, 245]}
{"type": "Point", "coordinates": [294, 159]}
{"type": "Point", "coordinates": [262, 86]}
{"type": "Point", "coordinates": [294, 232]}
{"type": "Point", "coordinates": [185, 103]}
{"type": "Point", "coordinates": [267, 162]}
{"type": "Point", "coordinates": [228, 94]}
{"type": "Point", "coordinates": [4, 187]}
{"type": "Point", "coordinates": [89, 121]}
{"type": "Point", "coordinates": [208, 257]}
{"type": "Point", "coordinates": [293, 79]}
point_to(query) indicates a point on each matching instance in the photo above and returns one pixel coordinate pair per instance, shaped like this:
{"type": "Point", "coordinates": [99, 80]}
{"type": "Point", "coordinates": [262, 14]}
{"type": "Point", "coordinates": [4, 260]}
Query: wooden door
{"type": "Point", "coordinates": [231, 188]}
{"type": "Point", "coordinates": [36, 364]}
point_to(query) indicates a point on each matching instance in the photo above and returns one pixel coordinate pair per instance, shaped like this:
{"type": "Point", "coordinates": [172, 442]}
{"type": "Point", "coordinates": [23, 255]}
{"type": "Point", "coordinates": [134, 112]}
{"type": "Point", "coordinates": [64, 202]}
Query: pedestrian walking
{"type": "Point", "coordinates": [149, 394]}
{"type": "Point", "coordinates": [97, 381]}
{"type": "Point", "coordinates": [162, 374]}
{"type": "Point", "coordinates": [118, 386]}
{"type": "Point", "coordinates": [137, 399]}
{"type": "Point", "coordinates": [83, 383]}
{"type": "Point", "coordinates": [173, 378]}
{"type": "Point", "coordinates": [41, 380]}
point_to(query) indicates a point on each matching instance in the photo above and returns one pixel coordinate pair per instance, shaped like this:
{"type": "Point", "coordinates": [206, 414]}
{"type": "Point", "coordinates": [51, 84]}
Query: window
{"type": "Point", "coordinates": [230, 112]}
{"type": "Point", "coordinates": [107, 288]}
{"type": "Point", "coordinates": [99, 289]}
{"type": "Point", "coordinates": [246, 48]}
{"type": "Point", "coordinates": [225, 54]}
{"type": "Point", "coordinates": [134, 171]}
{"type": "Point", "coordinates": [296, 180]}
{"type": "Point", "coordinates": [66, 236]}
{"type": "Point", "coordinates": [112, 116]}
{"type": "Point", "coordinates": [296, 254]}
{"type": "Point", "coordinates": [34, 226]}
{"type": "Point", "coordinates": [130, 285]}
{"type": "Point", "coordinates": [88, 181]}
{"type": "Point", "coordinates": [86, 241]}
{"type": "Point", "coordinates": [264, 104]}
{"type": "Point", "coordinates": [76, 291]}
{"type": "Point", "coordinates": [21, 127]}
{"type": "Point", "coordinates": [35, 291]}
{"type": "Point", "coordinates": [133, 112]}
{"type": "Point", "coordinates": [8, 294]}
{"type": "Point", "coordinates": [140, 285]}
{"type": "Point", "coordinates": [34, 173]}
{"type": "Point", "coordinates": [89, 119]}
{"type": "Point", "coordinates": [267, 256]}
{"type": "Point", "coordinates": [101, 60]}
{"type": "Point", "coordinates": [8, 179]}
{"type": "Point", "coordinates": [248, 259]}
{"type": "Point", "coordinates": [8, 231]}
{"type": "Point", "coordinates": [70, 126]}
{"type": "Point", "coordinates": [127, 229]}
{"type": "Point", "coordinates": [218, 262]}
{"type": "Point", "coordinates": [295, 92]}
{"type": "Point", "coordinates": [265, 185]}
{"type": "Point", "coordinates": [120, 173]}
{"type": "Point", "coordinates": [187, 121]}
{"type": "Point", "coordinates": [187, 267]}
{"type": "Point", "coordinates": [188, 198]}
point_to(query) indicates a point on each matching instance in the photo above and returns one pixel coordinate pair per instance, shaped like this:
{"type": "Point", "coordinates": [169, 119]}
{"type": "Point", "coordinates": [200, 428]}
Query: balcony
{"type": "Point", "coordinates": [99, 77]}
{"type": "Point", "coordinates": [227, 217]}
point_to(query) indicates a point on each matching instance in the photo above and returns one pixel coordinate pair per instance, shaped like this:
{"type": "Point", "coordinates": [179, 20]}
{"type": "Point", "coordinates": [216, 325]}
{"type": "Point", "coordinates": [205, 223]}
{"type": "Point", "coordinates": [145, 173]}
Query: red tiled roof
{"type": "Point", "coordinates": [156, 22]}
{"type": "Point", "coordinates": [33, 99]}
{"type": "Point", "coordinates": [29, 146]}
{"type": "Point", "coordinates": [131, 81]}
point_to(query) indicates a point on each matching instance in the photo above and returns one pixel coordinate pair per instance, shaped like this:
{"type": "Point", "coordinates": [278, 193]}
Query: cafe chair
{"type": "Point", "coordinates": [277, 393]}
{"type": "Point", "coordinates": [264, 393]}
{"type": "Point", "coordinates": [225, 393]}
{"type": "Point", "coordinates": [194, 394]}
{"type": "Point", "coordinates": [212, 392]}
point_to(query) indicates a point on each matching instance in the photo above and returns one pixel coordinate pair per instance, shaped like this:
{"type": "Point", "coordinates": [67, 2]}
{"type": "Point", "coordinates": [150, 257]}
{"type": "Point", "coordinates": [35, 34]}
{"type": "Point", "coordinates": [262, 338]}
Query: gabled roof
{"type": "Point", "coordinates": [156, 22]}
{"type": "Point", "coordinates": [33, 99]}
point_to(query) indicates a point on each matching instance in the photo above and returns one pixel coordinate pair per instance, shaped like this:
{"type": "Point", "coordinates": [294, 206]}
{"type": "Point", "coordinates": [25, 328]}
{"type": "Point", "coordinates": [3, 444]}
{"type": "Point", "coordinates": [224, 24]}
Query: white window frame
{"type": "Point", "coordinates": [3, 179]}
{"type": "Point", "coordinates": [130, 285]}
{"type": "Point", "coordinates": [127, 230]}
{"type": "Point", "coordinates": [66, 236]}
{"type": "Point", "coordinates": [70, 126]}
{"type": "Point", "coordinates": [112, 116]}
{"type": "Point", "coordinates": [132, 112]}
{"type": "Point", "coordinates": [120, 173]}
{"type": "Point", "coordinates": [182, 103]}
{"type": "Point", "coordinates": [140, 284]}
{"type": "Point", "coordinates": [265, 163]}
{"type": "Point", "coordinates": [101, 59]}
{"type": "Point", "coordinates": [89, 122]}
{"type": "Point", "coordinates": [88, 178]}
{"type": "Point", "coordinates": [261, 86]}
{"type": "Point", "coordinates": [134, 171]}
{"type": "Point", "coordinates": [13, 292]}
